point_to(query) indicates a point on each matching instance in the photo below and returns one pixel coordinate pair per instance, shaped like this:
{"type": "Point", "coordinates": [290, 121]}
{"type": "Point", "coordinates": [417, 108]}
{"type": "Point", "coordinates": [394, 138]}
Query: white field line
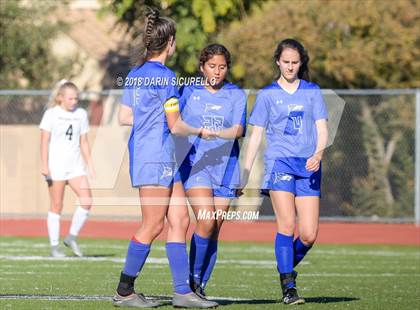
{"type": "Point", "coordinates": [24, 246]}
{"type": "Point", "coordinates": [152, 260]}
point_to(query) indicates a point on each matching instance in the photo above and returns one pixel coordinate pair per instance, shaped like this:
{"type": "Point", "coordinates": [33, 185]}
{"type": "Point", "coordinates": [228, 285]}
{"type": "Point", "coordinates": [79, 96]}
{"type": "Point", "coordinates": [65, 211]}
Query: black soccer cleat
{"type": "Point", "coordinates": [198, 290]}
{"type": "Point", "coordinates": [288, 286]}
{"type": "Point", "coordinates": [291, 297]}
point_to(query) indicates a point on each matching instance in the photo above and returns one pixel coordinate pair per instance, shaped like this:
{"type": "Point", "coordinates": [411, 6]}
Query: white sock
{"type": "Point", "coordinates": [53, 224]}
{"type": "Point", "coordinates": [79, 218]}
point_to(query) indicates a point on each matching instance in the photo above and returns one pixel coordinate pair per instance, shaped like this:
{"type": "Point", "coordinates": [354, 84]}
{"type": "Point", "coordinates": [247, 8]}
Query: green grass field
{"type": "Point", "coordinates": [351, 277]}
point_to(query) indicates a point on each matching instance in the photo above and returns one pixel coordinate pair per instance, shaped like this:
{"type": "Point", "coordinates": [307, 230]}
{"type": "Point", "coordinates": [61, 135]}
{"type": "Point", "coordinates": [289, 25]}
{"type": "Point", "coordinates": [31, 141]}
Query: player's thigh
{"type": "Point", "coordinates": [284, 210]}
{"type": "Point", "coordinates": [154, 202]}
{"type": "Point", "coordinates": [308, 217]}
{"type": "Point", "coordinates": [80, 186]}
{"type": "Point", "coordinates": [56, 192]}
{"type": "Point", "coordinates": [201, 198]}
{"type": "Point", "coordinates": [178, 209]}
{"type": "Point", "coordinates": [222, 204]}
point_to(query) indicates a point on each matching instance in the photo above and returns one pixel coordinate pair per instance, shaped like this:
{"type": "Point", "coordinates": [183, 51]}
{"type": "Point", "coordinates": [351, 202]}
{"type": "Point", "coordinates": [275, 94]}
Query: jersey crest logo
{"type": "Point", "coordinates": [212, 107]}
{"type": "Point", "coordinates": [294, 124]}
{"type": "Point", "coordinates": [167, 172]}
{"type": "Point", "coordinates": [280, 176]}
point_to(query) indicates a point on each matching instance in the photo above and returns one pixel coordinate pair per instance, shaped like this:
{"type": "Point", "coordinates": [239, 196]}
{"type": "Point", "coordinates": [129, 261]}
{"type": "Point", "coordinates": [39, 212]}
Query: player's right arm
{"type": "Point", "coordinates": [254, 143]}
{"type": "Point", "coordinates": [177, 126]}
{"type": "Point", "coordinates": [258, 120]}
{"type": "Point", "coordinates": [125, 115]}
{"type": "Point", "coordinates": [45, 140]}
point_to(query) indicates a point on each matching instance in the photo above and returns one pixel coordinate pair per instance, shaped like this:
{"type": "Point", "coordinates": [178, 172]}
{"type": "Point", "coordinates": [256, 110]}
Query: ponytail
{"type": "Point", "coordinates": [154, 38]}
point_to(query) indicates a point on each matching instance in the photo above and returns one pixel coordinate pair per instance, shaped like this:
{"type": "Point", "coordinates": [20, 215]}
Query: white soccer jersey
{"type": "Point", "coordinates": [64, 156]}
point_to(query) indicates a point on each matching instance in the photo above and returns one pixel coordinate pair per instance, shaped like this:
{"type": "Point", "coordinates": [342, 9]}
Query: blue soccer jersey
{"type": "Point", "coordinates": [215, 111]}
{"type": "Point", "coordinates": [289, 120]}
{"type": "Point", "coordinates": [151, 147]}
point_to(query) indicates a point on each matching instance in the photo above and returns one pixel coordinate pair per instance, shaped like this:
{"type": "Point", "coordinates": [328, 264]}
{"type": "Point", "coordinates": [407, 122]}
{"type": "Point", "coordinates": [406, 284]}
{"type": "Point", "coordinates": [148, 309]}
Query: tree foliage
{"type": "Point", "coordinates": [25, 53]}
{"type": "Point", "coordinates": [352, 44]}
{"type": "Point", "coordinates": [198, 22]}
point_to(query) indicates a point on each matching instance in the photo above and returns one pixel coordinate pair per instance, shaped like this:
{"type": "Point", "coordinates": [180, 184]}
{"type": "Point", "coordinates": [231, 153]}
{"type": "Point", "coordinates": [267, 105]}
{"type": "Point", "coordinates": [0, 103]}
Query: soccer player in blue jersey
{"type": "Point", "coordinates": [209, 169]}
{"type": "Point", "coordinates": [150, 105]}
{"type": "Point", "coordinates": [294, 115]}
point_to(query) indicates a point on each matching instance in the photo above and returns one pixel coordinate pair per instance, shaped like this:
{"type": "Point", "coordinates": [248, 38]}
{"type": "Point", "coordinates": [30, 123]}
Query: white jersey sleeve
{"type": "Point", "coordinates": [84, 126]}
{"type": "Point", "coordinates": [46, 122]}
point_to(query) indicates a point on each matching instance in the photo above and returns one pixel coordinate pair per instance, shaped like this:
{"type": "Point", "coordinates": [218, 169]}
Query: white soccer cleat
{"type": "Point", "coordinates": [71, 243]}
{"type": "Point", "coordinates": [56, 252]}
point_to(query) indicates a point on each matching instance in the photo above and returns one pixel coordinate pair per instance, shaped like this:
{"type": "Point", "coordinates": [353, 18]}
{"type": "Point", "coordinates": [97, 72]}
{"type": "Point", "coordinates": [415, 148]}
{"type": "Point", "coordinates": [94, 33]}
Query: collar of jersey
{"type": "Point", "coordinates": [291, 94]}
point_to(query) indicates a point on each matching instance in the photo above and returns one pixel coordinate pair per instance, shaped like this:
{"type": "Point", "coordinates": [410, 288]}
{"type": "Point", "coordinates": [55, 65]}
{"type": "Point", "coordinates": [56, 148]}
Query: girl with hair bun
{"type": "Point", "coordinates": [152, 109]}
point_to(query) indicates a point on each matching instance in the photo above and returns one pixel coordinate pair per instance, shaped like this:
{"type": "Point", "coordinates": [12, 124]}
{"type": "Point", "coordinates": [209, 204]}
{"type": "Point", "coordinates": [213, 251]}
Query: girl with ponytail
{"type": "Point", "coordinates": [152, 109]}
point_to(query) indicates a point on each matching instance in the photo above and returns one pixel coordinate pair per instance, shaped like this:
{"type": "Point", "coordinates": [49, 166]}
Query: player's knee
{"type": "Point", "coordinates": [86, 202]}
{"type": "Point", "coordinates": [308, 238]}
{"type": "Point", "coordinates": [206, 227]}
{"type": "Point", "coordinates": [183, 223]}
{"type": "Point", "coordinates": [156, 229]}
{"type": "Point", "coordinates": [180, 224]}
{"type": "Point", "coordinates": [56, 206]}
{"type": "Point", "coordinates": [286, 228]}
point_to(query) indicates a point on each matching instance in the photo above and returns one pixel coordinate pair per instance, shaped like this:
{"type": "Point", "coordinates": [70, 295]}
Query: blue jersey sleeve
{"type": "Point", "coordinates": [127, 97]}
{"type": "Point", "coordinates": [319, 107]}
{"type": "Point", "coordinates": [259, 115]}
{"type": "Point", "coordinates": [239, 109]}
{"type": "Point", "coordinates": [185, 93]}
{"type": "Point", "coordinates": [170, 89]}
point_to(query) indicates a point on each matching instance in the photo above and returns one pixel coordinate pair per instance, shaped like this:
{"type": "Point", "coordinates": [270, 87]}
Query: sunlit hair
{"type": "Point", "coordinates": [304, 57]}
{"type": "Point", "coordinates": [58, 90]}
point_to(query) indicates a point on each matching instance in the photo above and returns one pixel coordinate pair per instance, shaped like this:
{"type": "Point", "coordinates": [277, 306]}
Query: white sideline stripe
{"type": "Point", "coordinates": [122, 260]}
{"type": "Point", "coordinates": [103, 298]}
{"type": "Point", "coordinates": [227, 248]}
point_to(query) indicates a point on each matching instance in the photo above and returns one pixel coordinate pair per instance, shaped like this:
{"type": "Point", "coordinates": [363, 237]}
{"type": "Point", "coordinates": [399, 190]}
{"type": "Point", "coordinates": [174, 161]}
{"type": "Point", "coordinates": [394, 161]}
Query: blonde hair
{"type": "Point", "coordinates": [58, 90]}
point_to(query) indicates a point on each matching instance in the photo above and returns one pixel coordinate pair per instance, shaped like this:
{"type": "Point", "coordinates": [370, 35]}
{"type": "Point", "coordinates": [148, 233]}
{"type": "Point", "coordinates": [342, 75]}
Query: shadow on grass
{"type": "Point", "coordinates": [327, 300]}
{"type": "Point", "coordinates": [99, 255]}
{"type": "Point", "coordinates": [226, 302]}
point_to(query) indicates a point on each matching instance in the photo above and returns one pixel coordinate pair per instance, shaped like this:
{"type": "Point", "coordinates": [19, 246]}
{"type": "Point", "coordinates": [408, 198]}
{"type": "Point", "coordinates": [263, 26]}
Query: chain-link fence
{"type": "Point", "coordinates": [368, 170]}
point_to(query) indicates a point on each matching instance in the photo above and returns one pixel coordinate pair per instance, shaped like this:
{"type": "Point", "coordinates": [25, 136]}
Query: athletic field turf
{"type": "Point", "coordinates": [341, 277]}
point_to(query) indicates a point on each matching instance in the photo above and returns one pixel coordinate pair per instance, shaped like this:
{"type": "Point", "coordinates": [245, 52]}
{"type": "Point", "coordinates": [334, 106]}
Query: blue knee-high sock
{"type": "Point", "coordinates": [178, 262]}
{"type": "Point", "coordinates": [284, 254]}
{"type": "Point", "coordinates": [136, 256]}
{"type": "Point", "coordinates": [198, 252]}
{"type": "Point", "coordinates": [300, 251]}
{"type": "Point", "coordinates": [209, 262]}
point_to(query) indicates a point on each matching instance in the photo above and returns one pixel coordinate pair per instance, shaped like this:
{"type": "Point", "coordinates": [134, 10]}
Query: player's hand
{"type": "Point", "coordinates": [91, 172]}
{"type": "Point", "coordinates": [45, 171]}
{"type": "Point", "coordinates": [207, 134]}
{"type": "Point", "coordinates": [313, 163]}
{"type": "Point", "coordinates": [244, 182]}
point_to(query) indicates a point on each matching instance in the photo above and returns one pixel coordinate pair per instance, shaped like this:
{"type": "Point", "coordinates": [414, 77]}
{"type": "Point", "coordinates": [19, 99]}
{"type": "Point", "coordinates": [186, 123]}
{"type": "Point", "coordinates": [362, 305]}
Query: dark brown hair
{"type": "Point", "coordinates": [155, 37]}
{"type": "Point", "coordinates": [214, 49]}
{"type": "Point", "coordinates": [304, 57]}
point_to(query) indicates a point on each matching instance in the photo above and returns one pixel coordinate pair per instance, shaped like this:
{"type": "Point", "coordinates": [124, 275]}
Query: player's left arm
{"type": "Point", "coordinates": [85, 148]}
{"type": "Point", "coordinates": [230, 133]}
{"type": "Point", "coordinates": [239, 118]}
{"type": "Point", "coordinates": [313, 163]}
